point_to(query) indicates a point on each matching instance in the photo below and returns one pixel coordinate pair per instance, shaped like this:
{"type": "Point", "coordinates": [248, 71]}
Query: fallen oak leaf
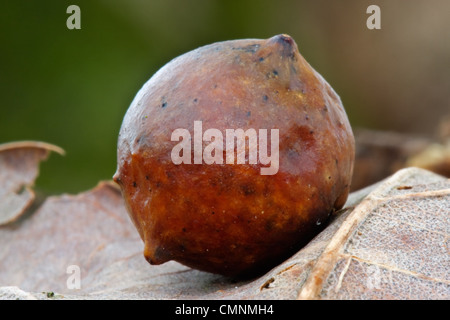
{"type": "Point", "coordinates": [19, 167]}
{"type": "Point", "coordinates": [89, 230]}
{"type": "Point", "coordinates": [393, 245]}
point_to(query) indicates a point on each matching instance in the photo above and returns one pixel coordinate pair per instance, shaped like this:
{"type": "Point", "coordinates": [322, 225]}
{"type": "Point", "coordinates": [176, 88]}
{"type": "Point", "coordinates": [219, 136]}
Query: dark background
{"type": "Point", "coordinates": [72, 87]}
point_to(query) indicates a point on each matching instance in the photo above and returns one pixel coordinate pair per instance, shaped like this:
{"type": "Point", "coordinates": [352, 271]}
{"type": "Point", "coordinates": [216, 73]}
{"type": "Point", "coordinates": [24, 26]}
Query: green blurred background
{"type": "Point", "coordinates": [73, 87]}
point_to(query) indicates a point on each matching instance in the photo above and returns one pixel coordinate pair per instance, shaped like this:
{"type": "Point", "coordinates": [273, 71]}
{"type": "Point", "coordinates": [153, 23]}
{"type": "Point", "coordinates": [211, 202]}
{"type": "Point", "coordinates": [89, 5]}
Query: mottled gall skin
{"type": "Point", "coordinates": [230, 219]}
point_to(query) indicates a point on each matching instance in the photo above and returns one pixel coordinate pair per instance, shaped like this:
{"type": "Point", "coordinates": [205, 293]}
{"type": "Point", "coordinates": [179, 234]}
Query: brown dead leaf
{"type": "Point", "coordinates": [380, 154]}
{"type": "Point", "coordinates": [90, 230]}
{"type": "Point", "coordinates": [393, 245]}
{"type": "Point", "coordinates": [436, 158]}
{"type": "Point", "coordinates": [19, 167]}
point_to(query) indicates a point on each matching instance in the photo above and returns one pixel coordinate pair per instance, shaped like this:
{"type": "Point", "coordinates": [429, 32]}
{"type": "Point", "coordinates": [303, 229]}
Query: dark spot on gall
{"type": "Point", "coordinates": [292, 153]}
{"type": "Point", "coordinates": [265, 97]}
{"type": "Point", "coordinates": [269, 225]}
{"type": "Point", "coordinates": [249, 113]}
{"type": "Point", "coordinates": [247, 190]}
{"type": "Point", "coordinates": [272, 75]}
{"type": "Point", "coordinates": [250, 48]}
{"type": "Point", "coordinates": [293, 69]}
{"type": "Point", "coordinates": [134, 184]}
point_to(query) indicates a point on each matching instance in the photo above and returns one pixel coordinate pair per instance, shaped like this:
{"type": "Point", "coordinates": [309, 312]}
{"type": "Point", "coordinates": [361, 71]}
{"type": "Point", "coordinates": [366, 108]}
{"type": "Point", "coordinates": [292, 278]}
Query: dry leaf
{"type": "Point", "coordinates": [393, 245]}
{"type": "Point", "coordinates": [390, 242]}
{"type": "Point", "coordinates": [436, 158]}
{"type": "Point", "coordinates": [380, 153]}
{"type": "Point", "coordinates": [19, 167]}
